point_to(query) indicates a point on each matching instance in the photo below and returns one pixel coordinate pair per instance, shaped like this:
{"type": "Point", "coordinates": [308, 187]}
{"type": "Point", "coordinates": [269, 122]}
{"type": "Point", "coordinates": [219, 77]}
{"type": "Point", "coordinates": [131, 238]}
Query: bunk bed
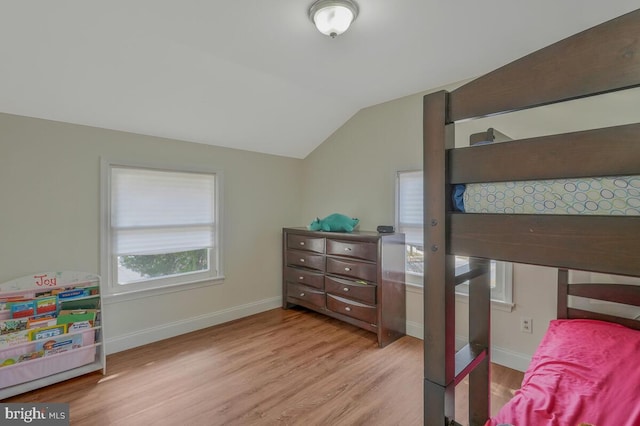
{"type": "Point", "coordinates": [575, 376]}
{"type": "Point", "coordinates": [603, 59]}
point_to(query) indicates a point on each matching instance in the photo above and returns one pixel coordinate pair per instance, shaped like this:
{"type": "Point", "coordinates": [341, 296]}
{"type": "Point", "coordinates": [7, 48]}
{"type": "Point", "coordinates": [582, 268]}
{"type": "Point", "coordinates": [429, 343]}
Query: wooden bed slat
{"type": "Point", "coordinates": [608, 244]}
{"type": "Point", "coordinates": [562, 71]}
{"type": "Point", "coordinates": [601, 152]}
{"type": "Point", "coordinates": [619, 293]}
{"type": "Point", "coordinates": [579, 313]}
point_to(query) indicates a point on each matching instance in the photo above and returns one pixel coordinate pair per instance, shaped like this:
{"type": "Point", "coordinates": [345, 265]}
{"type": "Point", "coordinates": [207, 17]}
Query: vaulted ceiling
{"type": "Point", "coordinates": [256, 74]}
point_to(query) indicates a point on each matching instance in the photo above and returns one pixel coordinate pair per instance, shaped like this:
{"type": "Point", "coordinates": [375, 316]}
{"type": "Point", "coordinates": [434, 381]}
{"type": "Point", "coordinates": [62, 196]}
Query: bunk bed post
{"type": "Point", "coordinates": [479, 340]}
{"type": "Point", "coordinates": [439, 286]}
{"type": "Point", "coordinates": [563, 291]}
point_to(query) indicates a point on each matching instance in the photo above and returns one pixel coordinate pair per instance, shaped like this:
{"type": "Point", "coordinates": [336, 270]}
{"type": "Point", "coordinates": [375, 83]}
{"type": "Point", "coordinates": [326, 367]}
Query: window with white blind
{"type": "Point", "coordinates": [409, 220]}
{"type": "Point", "coordinates": [160, 227]}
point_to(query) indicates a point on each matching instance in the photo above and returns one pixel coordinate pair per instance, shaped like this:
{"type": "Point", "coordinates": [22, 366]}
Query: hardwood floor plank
{"type": "Point", "coordinates": [292, 367]}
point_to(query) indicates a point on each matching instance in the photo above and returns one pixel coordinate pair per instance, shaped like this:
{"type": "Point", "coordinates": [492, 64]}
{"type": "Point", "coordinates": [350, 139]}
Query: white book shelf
{"type": "Point", "coordinates": [24, 364]}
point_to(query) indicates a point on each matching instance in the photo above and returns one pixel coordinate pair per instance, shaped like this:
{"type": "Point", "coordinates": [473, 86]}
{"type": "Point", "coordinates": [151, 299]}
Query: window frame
{"type": "Point", "coordinates": [501, 294]}
{"type": "Point", "coordinates": [161, 285]}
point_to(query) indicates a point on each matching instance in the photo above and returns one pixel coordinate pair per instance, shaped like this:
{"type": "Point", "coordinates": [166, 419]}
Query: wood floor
{"type": "Point", "coordinates": [279, 367]}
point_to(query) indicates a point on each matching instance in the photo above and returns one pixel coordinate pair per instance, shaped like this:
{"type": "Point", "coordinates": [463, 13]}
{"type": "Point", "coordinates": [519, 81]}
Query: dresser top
{"type": "Point", "coordinates": [359, 235]}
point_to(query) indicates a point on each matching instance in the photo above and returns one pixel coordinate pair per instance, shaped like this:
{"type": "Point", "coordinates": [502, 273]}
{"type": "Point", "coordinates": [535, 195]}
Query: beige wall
{"type": "Point", "coordinates": [49, 220]}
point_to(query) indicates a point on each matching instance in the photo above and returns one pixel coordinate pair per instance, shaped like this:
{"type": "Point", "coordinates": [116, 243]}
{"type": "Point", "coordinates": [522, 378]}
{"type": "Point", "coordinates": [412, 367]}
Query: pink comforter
{"type": "Point", "coordinates": [584, 371]}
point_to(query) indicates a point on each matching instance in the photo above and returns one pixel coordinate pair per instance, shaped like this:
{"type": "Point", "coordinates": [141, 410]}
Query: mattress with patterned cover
{"type": "Point", "coordinates": [613, 195]}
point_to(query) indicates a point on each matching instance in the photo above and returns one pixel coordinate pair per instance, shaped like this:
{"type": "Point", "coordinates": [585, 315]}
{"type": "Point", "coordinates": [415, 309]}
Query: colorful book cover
{"type": "Point", "coordinates": [89, 303]}
{"type": "Point", "coordinates": [24, 357]}
{"type": "Point", "coordinates": [14, 339]}
{"type": "Point", "coordinates": [30, 356]}
{"type": "Point", "coordinates": [92, 291]}
{"type": "Point", "coordinates": [47, 332]}
{"type": "Point", "coordinates": [46, 305]}
{"type": "Point", "coordinates": [23, 309]}
{"type": "Point", "coordinates": [59, 344]}
{"type": "Point", "coordinates": [71, 294]}
{"type": "Point", "coordinates": [9, 326]}
{"type": "Point", "coordinates": [77, 319]}
{"type": "Point", "coordinates": [40, 322]}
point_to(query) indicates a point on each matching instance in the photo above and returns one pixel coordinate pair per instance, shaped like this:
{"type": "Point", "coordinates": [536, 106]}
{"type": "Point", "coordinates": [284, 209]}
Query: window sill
{"type": "Point", "coordinates": [144, 293]}
{"type": "Point", "coordinates": [495, 304]}
{"type": "Point", "coordinates": [463, 298]}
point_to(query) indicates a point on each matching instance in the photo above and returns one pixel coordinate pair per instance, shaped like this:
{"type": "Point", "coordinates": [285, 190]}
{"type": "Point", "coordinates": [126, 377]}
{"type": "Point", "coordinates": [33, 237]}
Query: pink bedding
{"type": "Point", "coordinates": [584, 371]}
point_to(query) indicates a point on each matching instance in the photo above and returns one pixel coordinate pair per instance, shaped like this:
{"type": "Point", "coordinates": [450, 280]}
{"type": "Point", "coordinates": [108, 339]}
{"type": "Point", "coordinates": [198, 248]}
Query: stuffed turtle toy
{"type": "Point", "coordinates": [335, 222]}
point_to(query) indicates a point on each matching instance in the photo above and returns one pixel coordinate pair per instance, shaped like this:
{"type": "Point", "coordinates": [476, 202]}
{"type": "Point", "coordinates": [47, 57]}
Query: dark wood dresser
{"type": "Point", "coordinates": [355, 277]}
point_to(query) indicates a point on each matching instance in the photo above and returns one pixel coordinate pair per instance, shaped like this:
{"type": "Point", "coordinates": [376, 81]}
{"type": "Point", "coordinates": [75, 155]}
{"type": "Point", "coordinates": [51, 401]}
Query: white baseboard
{"type": "Point", "coordinates": [506, 357]}
{"type": "Point", "coordinates": [415, 329]}
{"type": "Point", "coordinates": [165, 331]}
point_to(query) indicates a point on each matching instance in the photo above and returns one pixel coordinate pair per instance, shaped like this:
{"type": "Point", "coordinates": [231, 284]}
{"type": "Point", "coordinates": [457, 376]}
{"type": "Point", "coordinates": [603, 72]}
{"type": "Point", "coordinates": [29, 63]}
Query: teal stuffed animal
{"type": "Point", "coordinates": [335, 222]}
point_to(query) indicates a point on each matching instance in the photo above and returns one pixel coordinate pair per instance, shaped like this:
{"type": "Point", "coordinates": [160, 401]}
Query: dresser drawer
{"type": "Point", "coordinates": [303, 242]}
{"type": "Point", "coordinates": [354, 269]}
{"type": "Point", "coordinates": [359, 250]}
{"type": "Point", "coordinates": [351, 289]}
{"type": "Point", "coordinates": [301, 276]}
{"type": "Point", "coordinates": [305, 259]}
{"type": "Point", "coordinates": [352, 309]}
{"type": "Point", "coordinates": [310, 295]}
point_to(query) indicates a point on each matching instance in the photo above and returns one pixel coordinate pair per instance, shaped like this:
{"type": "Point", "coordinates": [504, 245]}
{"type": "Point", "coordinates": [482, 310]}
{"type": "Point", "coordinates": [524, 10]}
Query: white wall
{"type": "Point", "coordinates": [49, 220]}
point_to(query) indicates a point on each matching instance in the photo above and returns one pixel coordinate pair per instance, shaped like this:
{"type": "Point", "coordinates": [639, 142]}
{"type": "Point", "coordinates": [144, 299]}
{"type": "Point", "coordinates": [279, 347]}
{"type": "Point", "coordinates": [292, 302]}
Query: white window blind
{"type": "Point", "coordinates": [410, 207]}
{"type": "Point", "coordinates": [157, 212]}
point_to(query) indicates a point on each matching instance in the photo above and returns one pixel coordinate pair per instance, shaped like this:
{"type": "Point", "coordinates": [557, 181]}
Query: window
{"type": "Point", "coordinates": [160, 227]}
{"type": "Point", "coordinates": [409, 211]}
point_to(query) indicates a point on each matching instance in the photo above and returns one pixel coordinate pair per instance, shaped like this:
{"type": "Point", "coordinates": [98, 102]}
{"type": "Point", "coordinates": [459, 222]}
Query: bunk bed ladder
{"type": "Point", "coordinates": [444, 367]}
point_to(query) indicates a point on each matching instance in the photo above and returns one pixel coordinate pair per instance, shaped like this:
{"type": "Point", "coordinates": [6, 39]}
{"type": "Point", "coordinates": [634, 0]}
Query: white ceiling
{"type": "Point", "coordinates": [255, 74]}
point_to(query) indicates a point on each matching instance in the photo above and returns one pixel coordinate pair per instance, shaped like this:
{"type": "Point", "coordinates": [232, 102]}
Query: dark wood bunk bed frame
{"type": "Point", "coordinates": [603, 59]}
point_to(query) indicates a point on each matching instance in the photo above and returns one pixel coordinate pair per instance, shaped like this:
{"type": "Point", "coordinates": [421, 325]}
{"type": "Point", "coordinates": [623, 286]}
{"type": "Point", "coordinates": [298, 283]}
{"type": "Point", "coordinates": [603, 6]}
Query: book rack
{"type": "Point", "coordinates": [50, 330]}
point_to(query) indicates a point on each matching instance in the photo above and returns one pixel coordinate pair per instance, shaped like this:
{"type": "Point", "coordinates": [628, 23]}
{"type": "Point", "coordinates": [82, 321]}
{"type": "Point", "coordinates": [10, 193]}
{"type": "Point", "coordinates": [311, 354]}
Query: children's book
{"type": "Point", "coordinates": [24, 357]}
{"type": "Point", "coordinates": [76, 293]}
{"type": "Point", "coordinates": [59, 344]}
{"type": "Point", "coordinates": [23, 309]}
{"type": "Point", "coordinates": [71, 294]}
{"type": "Point", "coordinates": [88, 303]}
{"type": "Point", "coordinates": [14, 339]}
{"type": "Point", "coordinates": [13, 325]}
{"type": "Point", "coordinates": [46, 305]}
{"type": "Point", "coordinates": [77, 319]}
{"type": "Point", "coordinates": [47, 332]}
{"type": "Point", "coordinates": [42, 321]}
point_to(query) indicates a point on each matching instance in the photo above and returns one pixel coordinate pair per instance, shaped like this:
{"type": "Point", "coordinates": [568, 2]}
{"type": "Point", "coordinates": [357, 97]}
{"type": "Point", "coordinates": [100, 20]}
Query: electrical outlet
{"type": "Point", "coordinates": [526, 325]}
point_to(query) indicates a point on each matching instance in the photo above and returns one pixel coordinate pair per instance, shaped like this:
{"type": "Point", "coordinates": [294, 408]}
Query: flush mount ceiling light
{"type": "Point", "coordinates": [333, 17]}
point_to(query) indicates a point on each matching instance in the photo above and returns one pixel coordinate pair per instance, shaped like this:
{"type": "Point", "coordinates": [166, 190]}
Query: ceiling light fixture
{"type": "Point", "coordinates": [333, 17]}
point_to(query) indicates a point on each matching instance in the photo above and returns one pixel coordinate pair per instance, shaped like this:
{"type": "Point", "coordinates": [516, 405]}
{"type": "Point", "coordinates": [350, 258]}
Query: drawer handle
{"type": "Point", "coordinates": [301, 260]}
{"type": "Point", "coordinates": [301, 243]}
{"type": "Point", "coordinates": [347, 249]}
{"type": "Point", "coordinates": [348, 309]}
{"type": "Point", "coordinates": [301, 294]}
{"type": "Point", "coordinates": [347, 269]}
{"type": "Point", "coordinates": [301, 278]}
{"type": "Point", "coordinates": [346, 289]}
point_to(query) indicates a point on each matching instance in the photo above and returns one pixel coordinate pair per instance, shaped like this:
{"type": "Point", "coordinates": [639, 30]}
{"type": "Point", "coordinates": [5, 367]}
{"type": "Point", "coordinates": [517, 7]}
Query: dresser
{"type": "Point", "coordinates": [355, 277]}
